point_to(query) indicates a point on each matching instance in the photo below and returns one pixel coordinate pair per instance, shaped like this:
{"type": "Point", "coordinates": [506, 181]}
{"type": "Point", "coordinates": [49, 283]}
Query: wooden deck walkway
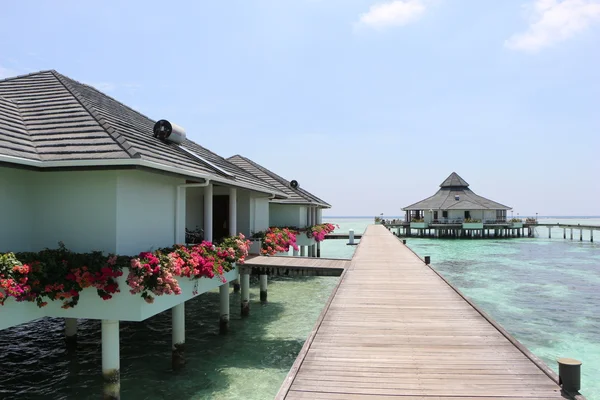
{"type": "Point", "coordinates": [296, 266]}
{"type": "Point", "coordinates": [393, 329]}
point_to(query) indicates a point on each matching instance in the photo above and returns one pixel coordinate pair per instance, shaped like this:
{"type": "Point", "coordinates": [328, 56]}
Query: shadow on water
{"type": "Point", "coordinates": [35, 362]}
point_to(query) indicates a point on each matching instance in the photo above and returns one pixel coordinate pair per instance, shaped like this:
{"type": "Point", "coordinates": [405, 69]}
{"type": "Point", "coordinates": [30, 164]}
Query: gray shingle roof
{"type": "Point", "coordinates": [47, 116]}
{"type": "Point", "coordinates": [454, 180]}
{"type": "Point", "coordinates": [445, 198]}
{"type": "Point", "coordinates": [295, 196]}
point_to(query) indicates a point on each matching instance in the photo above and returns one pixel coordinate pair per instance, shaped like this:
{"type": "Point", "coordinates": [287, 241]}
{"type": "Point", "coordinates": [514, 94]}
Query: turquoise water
{"type": "Point", "coordinates": [544, 292]}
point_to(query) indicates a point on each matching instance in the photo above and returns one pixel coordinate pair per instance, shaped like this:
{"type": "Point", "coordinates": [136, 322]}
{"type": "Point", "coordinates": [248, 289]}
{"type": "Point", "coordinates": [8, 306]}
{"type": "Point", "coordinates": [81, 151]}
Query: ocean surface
{"type": "Point", "coordinates": [545, 292]}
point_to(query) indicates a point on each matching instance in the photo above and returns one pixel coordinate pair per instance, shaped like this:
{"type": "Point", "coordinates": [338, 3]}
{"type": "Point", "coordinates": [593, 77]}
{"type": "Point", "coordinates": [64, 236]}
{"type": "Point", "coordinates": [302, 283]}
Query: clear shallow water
{"type": "Point", "coordinates": [544, 292]}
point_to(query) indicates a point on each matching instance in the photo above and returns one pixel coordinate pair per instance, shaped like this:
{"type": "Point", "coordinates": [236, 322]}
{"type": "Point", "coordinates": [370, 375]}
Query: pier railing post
{"type": "Point", "coordinates": [427, 260]}
{"type": "Point", "coordinates": [351, 236]}
{"type": "Point", "coordinates": [569, 375]}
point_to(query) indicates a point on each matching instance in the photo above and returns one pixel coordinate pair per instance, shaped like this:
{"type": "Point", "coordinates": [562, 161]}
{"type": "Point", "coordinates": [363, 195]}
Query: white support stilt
{"type": "Point", "coordinates": [351, 237]}
{"type": "Point", "coordinates": [224, 307]}
{"type": "Point", "coordinates": [111, 360]}
{"type": "Point", "coordinates": [178, 336]}
{"type": "Point", "coordinates": [263, 288]}
{"type": "Point", "coordinates": [591, 235]}
{"type": "Point", "coordinates": [581, 235]}
{"type": "Point", "coordinates": [71, 330]}
{"type": "Point", "coordinates": [302, 251]}
{"type": "Point", "coordinates": [245, 294]}
{"type": "Point", "coordinates": [208, 212]}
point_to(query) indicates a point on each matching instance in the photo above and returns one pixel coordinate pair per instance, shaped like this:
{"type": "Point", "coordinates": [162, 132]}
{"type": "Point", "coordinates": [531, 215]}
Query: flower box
{"type": "Point", "coordinates": [123, 306]}
{"type": "Point", "coordinates": [419, 225]}
{"type": "Point", "coordinates": [303, 240]}
{"type": "Point", "coordinates": [472, 225]}
{"type": "Point", "coordinates": [255, 245]}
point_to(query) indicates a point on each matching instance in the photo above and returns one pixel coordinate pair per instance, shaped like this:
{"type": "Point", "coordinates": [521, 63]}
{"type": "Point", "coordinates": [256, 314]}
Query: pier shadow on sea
{"type": "Point", "coordinates": [35, 362]}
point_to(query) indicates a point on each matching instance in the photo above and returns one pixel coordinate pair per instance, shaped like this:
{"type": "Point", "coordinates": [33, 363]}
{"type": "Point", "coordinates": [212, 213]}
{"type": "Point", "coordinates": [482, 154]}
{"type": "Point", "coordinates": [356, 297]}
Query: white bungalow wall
{"type": "Point", "coordinates": [40, 209]}
{"type": "Point", "coordinates": [287, 215]}
{"type": "Point", "coordinates": [17, 197]}
{"type": "Point", "coordinates": [259, 214]}
{"type": "Point", "coordinates": [145, 211]}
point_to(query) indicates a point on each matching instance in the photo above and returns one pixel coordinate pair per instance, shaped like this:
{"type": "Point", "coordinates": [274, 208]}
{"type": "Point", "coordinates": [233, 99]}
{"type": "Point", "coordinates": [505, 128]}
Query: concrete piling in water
{"type": "Point", "coordinates": [245, 294]}
{"type": "Point", "coordinates": [263, 288]}
{"type": "Point", "coordinates": [71, 331]}
{"type": "Point", "coordinates": [591, 235]}
{"type": "Point", "coordinates": [581, 235]}
{"type": "Point", "coordinates": [569, 375]}
{"type": "Point", "coordinates": [111, 360]}
{"type": "Point", "coordinates": [224, 308]}
{"type": "Point", "coordinates": [178, 337]}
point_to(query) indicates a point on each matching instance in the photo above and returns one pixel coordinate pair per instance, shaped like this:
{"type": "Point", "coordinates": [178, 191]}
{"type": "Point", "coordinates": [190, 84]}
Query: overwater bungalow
{"type": "Point", "coordinates": [455, 210]}
{"type": "Point", "coordinates": [80, 168]}
{"type": "Point", "coordinates": [301, 209]}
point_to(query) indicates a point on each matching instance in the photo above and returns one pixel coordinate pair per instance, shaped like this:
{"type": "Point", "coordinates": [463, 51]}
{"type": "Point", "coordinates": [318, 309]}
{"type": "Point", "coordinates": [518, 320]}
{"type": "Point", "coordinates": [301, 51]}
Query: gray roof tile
{"type": "Point", "coordinates": [50, 117]}
{"type": "Point", "coordinates": [445, 198]}
{"type": "Point", "coordinates": [295, 196]}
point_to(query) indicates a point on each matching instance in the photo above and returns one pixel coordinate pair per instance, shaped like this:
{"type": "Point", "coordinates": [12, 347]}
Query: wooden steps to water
{"type": "Point", "coordinates": [393, 328]}
{"type": "Point", "coordinates": [295, 266]}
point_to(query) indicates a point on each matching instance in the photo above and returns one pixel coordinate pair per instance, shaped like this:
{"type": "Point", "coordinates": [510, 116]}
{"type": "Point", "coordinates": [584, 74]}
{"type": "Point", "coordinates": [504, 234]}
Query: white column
{"type": "Point", "coordinates": [263, 288]}
{"type": "Point", "coordinates": [224, 307]}
{"type": "Point", "coordinates": [302, 251]}
{"type": "Point", "coordinates": [111, 360]}
{"type": "Point", "coordinates": [208, 212]}
{"type": "Point", "coordinates": [178, 336]}
{"type": "Point", "coordinates": [233, 212]}
{"type": "Point", "coordinates": [180, 215]}
{"type": "Point", "coordinates": [233, 232]}
{"type": "Point", "coordinates": [319, 215]}
{"type": "Point", "coordinates": [71, 330]}
{"type": "Point", "coordinates": [245, 294]}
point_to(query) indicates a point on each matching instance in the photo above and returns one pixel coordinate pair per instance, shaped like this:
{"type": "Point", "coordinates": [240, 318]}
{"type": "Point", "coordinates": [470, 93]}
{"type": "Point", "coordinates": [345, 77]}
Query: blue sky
{"type": "Point", "coordinates": [369, 105]}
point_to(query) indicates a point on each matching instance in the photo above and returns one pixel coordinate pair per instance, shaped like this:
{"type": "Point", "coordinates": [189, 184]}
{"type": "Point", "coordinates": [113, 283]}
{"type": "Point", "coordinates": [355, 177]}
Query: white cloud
{"type": "Point", "coordinates": [555, 21]}
{"type": "Point", "coordinates": [393, 13]}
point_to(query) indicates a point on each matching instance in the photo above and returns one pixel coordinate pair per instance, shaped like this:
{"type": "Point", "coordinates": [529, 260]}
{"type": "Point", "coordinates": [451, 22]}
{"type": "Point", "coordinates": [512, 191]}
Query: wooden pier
{"type": "Point", "coordinates": [294, 266]}
{"type": "Point", "coordinates": [393, 328]}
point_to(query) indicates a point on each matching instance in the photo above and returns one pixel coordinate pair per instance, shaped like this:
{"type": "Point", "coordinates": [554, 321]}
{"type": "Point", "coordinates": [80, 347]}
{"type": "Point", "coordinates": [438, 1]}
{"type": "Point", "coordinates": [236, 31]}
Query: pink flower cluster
{"type": "Point", "coordinates": [318, 232]}
{"type": "Point", "coordinates": [156, 273]}
{"type": "Point", "coordinates": [278, 240]}
{"type": "Point", "coordinates": [147, 275]}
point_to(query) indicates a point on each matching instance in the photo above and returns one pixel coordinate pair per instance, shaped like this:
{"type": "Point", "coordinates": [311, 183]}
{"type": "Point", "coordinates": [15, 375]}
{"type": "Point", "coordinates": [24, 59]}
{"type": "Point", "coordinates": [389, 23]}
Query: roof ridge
{"type": "Point", "coordinates": [303, 193]}
{"type": "Point", "coordinates": [120, 140]}
{"type": "Point", "coordinates": [10, 78]}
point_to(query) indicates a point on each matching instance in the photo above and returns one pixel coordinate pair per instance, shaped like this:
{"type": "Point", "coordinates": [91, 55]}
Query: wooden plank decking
{"type": "Point", "coordinates": [393, 328]}
{"type": "Point", "coordinates": [304, 266]}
